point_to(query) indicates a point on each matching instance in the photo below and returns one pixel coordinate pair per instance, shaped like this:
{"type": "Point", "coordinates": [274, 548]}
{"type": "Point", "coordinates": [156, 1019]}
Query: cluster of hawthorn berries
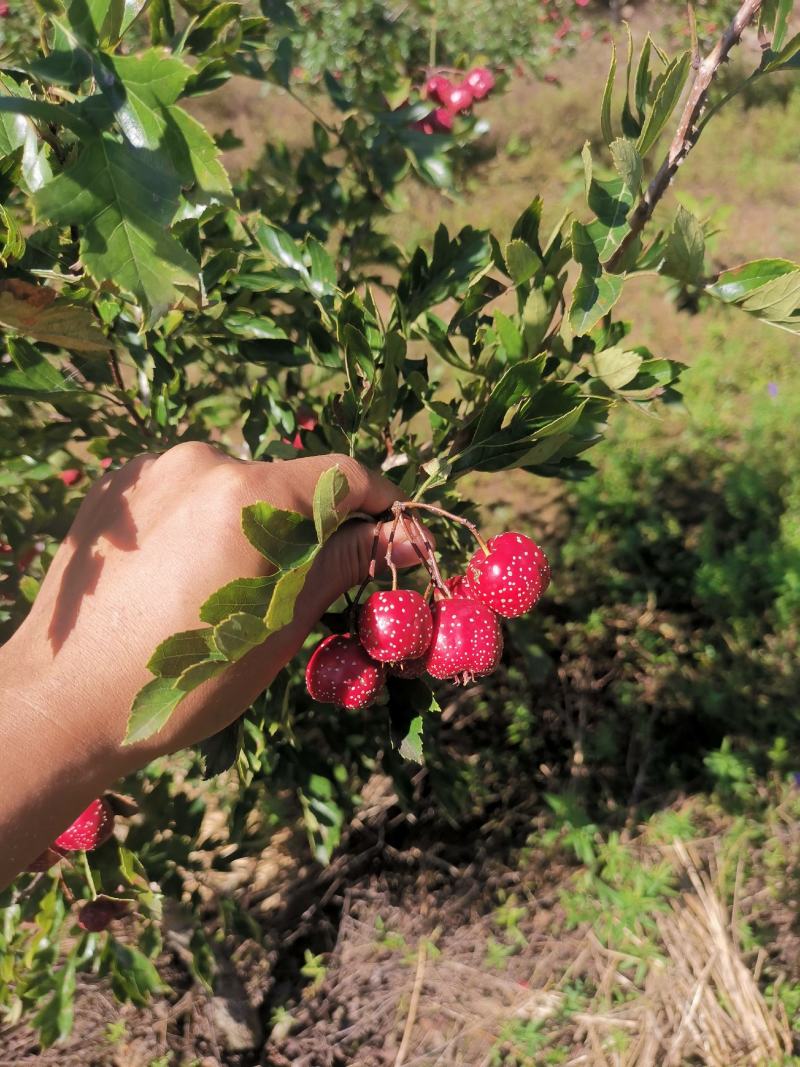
{"type": "Point", "coordinates": [453, 98]}
{"type": "Point", "coordinates": [455, 634]}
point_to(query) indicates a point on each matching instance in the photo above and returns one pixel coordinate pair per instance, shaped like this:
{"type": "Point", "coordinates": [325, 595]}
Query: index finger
{"type": "Point", "coordinates": [290, 484]}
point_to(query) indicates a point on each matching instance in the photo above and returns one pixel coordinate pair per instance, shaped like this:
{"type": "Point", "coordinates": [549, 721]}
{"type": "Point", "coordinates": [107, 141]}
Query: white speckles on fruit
{"type": "Point", "coordinates": [467, 639]}
{"type": "Point", "coordinates": [395, 625]}
{"type": "Point", "coordinates": [511, 577]}
{"type": "Point", "coordinates": [93, 826]}
{"type": "Point", "coordinates": [340, 672]}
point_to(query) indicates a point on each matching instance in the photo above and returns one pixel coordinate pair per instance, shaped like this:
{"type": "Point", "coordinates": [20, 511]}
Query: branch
{"type": "Point", "coordinates": [687, 132]}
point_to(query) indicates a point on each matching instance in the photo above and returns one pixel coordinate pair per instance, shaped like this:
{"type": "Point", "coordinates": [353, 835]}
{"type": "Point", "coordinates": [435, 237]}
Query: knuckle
{"type": "Point", "coordinates": [189, 455]}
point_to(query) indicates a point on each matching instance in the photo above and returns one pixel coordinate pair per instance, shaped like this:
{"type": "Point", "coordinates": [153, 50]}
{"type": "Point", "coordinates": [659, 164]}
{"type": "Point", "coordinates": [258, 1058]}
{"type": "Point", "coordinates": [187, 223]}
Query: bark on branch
{"type": "Point", "coordinates": [688, 131]}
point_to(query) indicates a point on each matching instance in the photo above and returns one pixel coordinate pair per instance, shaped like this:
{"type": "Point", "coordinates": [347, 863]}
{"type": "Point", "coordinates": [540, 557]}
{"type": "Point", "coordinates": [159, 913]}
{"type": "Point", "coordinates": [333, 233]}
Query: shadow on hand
{"type": "Point", "coordinates": [104, 514]}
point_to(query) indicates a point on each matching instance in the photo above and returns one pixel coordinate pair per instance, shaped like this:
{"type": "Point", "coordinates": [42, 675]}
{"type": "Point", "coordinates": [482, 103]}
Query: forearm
{"type": "Point", "coordinates": [47, 774]}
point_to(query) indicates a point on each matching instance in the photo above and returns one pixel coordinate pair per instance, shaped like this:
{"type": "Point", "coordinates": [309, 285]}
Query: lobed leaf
{"type": "Point", "coordinates": [182, 650]}
{"type": "Point", "coordinates": [124, 199]}
{"type": "Point", "coordinates": [235, 636]}
{"type": "Point", "coordinates": [285, 538]}
{"type": "Point", "coordinates": [250, 596]}
{"type": "Point", "coordinates": [152, 707]}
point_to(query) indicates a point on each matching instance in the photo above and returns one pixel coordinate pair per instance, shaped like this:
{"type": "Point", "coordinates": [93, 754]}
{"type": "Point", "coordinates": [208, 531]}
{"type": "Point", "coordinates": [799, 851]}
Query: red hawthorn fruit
{"type": "Point", "coordinates": [5, 549]}
{"type": "Point", "coordinates": [106, 463]}
{"type": "Point", "coordinates": [511, 576]}
{"type": "Point", "coordinates": [480, 81]}
{"type": "Point", "coordinates": [435, 86]}
{"type": "Point", "coordinates": [395, 625]}
{"type": "Point", "coordinates": [44, 861]}
{"type": "Point", "coordinates": [91, 829]}
{"type": "Point", "coordinates": [96, 915]}
{"type": "Point", "coordinates": [5, 9]}
{"type": "Point", "coordinates": [467, 640]}
{"type": "Point", "coordinates": [70, 476]}
{"type": "Point", "coordinates": [457, 97]}
{"type": "Point", "coordinates": [458, 586]}
{"type": "Point", "coordinates": [408, 669]}
{"type": "Point", "coordinates": [441, 120]}
{"type": "Point", "coordinates": [340, 672]}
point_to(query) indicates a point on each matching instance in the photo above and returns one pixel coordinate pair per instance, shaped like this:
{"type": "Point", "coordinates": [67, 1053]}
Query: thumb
{"type": "Point", "coordinates": [345, 560]}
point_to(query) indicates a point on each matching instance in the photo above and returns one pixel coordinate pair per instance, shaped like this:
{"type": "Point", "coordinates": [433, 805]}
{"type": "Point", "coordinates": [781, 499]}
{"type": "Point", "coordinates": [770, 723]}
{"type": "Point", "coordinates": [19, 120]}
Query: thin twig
{"type": "Point", "coordinates": [390, 563]}
{"type": "Point", "coordinates": [473, 529]}
{"type": "Point", "coordinates": [687, 132]}
{"type": "Point", "coordinates": [124, 399]}
{"type": "Point", "coordinates": [416, 993]}
{"type": "Point", "coordinates": [430, 561]}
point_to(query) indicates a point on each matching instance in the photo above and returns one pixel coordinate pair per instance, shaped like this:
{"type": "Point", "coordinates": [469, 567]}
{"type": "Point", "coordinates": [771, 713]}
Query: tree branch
{"type": "Point", "coordinates": [688, 131]}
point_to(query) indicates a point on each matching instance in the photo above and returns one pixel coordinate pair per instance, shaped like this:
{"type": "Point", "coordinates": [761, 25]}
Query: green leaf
{"type": "Point", "coordinates": [520, 380]}
{"type": "Point", "coordinates": [141, 977]}
{"type": "Point", "coordinates": [124, 199]}
{"type": "Point", "coordinates": [38, 312]}
{"type": "Point", "coordinates": [685, 249]}
{"type": "Point", "coordinates": [411, 745]}
{"type": "Point", "coordinates": [19, 132]}
{"type": "Point", "coordinates": [12, 243]}
{"type": "Point", "coordinates": [563, 422]}
{"type": "Point", "coordinates": [667, 97]}
{"type": "Point", "coordinates": [642, 82]}
{"type": "Point", "coordinates": [628, 164]}
{"type": "Point", "coordinates": [287, 590]}
{"type": "Point", "coordinates": [769, 289]}
{"type": "Point", "coordinates": [58, 114]}
{"type": "Point", "coordinates": [250, 596]}
{"type": "Point", "coordinates": [596, 292]}
{"type": "Point", "coordinates": [776, 301]}
{"type": "Point", "coordinates": [781, 23]}
{"type": "Point", "coordinates": [32, 375]}
{"type": "Point", "coordinates": [180, 651]}
{"type": "Point", "coordinates": [238, 634]}
{"type": "Point", "coordinates": [787, 57]}
{"type": "Point", "coordinates": [738, 283]}
{"type": "Point", "coordinates": [610, 201]}
{"type": "Point", "coordinates": [96, 21]}
{"type": "Point", "coordinates": [145, 85]}
{"type": "Point", "coordinates": [221, 750]}
{"type": "Point", "coordinates": [195, 156]}
{"type": "Point", "coordinates": [201, 672]}
{"type": "Point", "coordinates": [151, 709]}
{"type": "Point", "coordinates": [605, 107]}
{"type": "Point", "coordinates": [526, 228]}
{"type": "Point", "coordinates": [54, 1020]}
{"type": "Point", "coordinates": [536, 318]}
{"type": "Point", "coordinates": [615, 366]}
{"type": "Point", "coordinates": [283, 537]}
{"type": "Point", "coordinates": [510, 337]}
{"type": "Point", "coordinates": [522, 261]}
{"type": "Point", "coordinates": [331, 489]}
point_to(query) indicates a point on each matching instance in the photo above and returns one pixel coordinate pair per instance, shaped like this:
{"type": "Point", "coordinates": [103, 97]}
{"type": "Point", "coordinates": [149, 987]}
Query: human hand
{"type": "Point", "coordinates": [150, 543]}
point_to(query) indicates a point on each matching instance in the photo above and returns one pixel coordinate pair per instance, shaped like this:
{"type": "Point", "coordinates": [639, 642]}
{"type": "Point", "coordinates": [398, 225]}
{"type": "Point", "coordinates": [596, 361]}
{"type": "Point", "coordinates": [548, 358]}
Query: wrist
{"type": "Point", "coordinates": [51, 721]}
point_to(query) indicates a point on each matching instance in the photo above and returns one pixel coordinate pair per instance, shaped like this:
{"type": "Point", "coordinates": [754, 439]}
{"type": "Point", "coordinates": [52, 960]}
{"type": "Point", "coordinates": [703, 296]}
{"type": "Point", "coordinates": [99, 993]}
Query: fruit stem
{"type": "Point", "coordinates": [373, 559]}
{"type": "Point", "coordinates": [88, 872]}
{"type": "Point", "coordinates": [389, 545]}
{"type": "Point", "coordinates": [473, 529]}
{"type": "Point", "coordinates": [430, 559]}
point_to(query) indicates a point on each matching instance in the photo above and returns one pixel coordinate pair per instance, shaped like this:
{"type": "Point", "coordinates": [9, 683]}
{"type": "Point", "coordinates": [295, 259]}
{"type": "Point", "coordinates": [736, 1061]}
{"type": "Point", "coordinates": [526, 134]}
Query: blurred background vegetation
{"type": "Point", "coordinates": [606, 839]}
